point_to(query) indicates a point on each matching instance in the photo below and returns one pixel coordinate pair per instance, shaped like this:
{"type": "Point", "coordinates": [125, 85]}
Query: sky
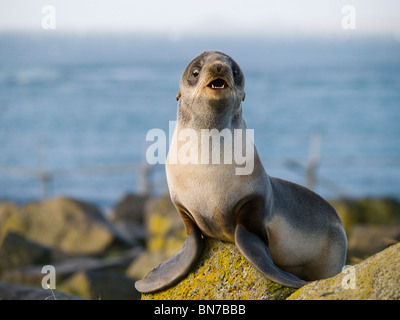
{"type": "Point", "coordinates": [179, 18]}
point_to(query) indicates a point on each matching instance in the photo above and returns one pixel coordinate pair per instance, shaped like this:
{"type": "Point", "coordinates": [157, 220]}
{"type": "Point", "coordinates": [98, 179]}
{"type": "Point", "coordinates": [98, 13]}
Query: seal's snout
{"type": "Point", "coordinates": [220, 75]}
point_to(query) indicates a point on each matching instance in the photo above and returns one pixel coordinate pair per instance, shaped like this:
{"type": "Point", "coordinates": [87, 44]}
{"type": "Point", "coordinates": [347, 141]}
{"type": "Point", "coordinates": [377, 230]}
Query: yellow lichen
{"type": "Point", "coordinates": [377, 277]}
{"type": "Point", "coordinates": [159, 224]}
{"type": "Point", "coordinates": [223, 273]}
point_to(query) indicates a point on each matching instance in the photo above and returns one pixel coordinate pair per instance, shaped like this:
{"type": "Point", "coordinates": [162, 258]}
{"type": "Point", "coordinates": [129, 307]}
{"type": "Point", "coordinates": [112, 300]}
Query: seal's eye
{"type": "Point", "coordinates": [235, 72]}
{"type": "Point", "coordinates": [195, 72]}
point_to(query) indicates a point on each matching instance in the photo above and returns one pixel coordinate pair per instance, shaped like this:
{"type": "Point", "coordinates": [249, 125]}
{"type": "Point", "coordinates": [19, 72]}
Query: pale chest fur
{"type": "Point", "coordinates": [209, 192]}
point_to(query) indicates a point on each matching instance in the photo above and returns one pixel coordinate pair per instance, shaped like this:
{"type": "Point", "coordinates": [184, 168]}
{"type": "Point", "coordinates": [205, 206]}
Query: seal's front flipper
{"type": "Point", "coordinates": [256, 252]}
{"type": "Point", "coordinates": [176, 268]}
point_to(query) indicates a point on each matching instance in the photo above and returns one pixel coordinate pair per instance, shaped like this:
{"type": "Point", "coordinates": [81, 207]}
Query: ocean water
{"type": "Point", "coordinates": [78, 108]}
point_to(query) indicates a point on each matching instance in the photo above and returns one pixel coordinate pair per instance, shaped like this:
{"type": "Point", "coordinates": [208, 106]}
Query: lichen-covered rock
{"type": "Point", "coordinates": [223, 273]}
{"type": "Point", "coordinates": [165, 229]}
{"type": "Point", "coordinates": [377, 277]}
{"type": "Point", "coordinates": [366, 240]}
{"type": "Point", "coordinates": [165, 236]}
{"type": "Point", "coordinates": [371, 224]}
{"type": "Point", "coordinates": [72, 226]}
{"type": "Point", "coordinates": [10, 220]}
{"type": "Point", "coordinates": [368, 211]}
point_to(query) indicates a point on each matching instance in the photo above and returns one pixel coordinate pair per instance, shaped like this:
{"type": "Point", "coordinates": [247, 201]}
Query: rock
{"type": "Point", "coordinates": [32, 275]}
{"type": "Point", "coordinates": [165, 236]}
{"type": "Point", "coordinates": [21, 292]}
{"type": "Point", "coordinates": [223, 273]}
{"type": "Point", "coordinates": [17, 251]}
{"type": "Point", "coordinates": [380, 211]}
{"type": "Point", "coordinates": [132, 231]}
{"type": "Point", "coordinates": [72, 226]}
{"type": "Point", "coordinates": [165, 229]}
{"type": "Point", "coordinates": [369, 224]}
{"type": "Point", "coordinates": [366, 240]}
{"type": "Point", "coordinates": [10, 219]}
{"type": "Point", "coordinates": [370, 211]}
{"type": "Point", "coordinates": [377, 277]}
{"type": "Point", "coordinates": [101, 285]}
{"type": "Point", "coordinates": [128, 217]}
{"type": "Point", "coordinates": [130, 209]}
{"type": "Point", "coordinates": [144, 263]}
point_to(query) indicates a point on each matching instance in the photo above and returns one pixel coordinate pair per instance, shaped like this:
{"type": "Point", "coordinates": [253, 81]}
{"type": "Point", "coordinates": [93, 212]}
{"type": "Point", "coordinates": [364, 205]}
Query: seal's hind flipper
{"type": "Point", "coordinates": [176, 268]}
{"type": "Point", "coordinates": [256, 252]}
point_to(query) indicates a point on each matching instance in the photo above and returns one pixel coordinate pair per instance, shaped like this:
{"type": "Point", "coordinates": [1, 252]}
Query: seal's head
{"type": "Point", "coordinates": [211, 85]}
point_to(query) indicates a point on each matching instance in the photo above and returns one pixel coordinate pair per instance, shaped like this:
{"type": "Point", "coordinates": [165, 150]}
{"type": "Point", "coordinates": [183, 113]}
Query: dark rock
{"type": "Point", "coordinates": [33, 275]}
{"type": "Point", "coordinates": [21, 292]}
{"type": "Point", "coordinates": [128, 217]}
{"type": "Point", "coordinates": [17, 251]}
{"type": "Point", "coordinates": [101, 285]}
{"type": "Point", "coordinates": [130, 209]}
{"type": "Point", "coordinates": [132, 231]}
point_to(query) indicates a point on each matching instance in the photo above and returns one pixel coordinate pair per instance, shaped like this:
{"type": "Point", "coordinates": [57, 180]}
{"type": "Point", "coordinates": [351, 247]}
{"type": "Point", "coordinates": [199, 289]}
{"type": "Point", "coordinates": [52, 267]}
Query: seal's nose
{"type": "Point", "coordinates": [218, 69]}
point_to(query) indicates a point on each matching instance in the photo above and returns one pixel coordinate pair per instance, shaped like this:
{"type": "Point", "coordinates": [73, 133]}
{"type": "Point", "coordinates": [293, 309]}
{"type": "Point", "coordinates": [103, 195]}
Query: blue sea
{"type": "Point", "coordinates": [75, 110]}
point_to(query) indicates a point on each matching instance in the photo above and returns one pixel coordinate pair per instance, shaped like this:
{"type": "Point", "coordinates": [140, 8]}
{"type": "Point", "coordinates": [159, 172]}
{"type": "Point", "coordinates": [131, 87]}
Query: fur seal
{"type": "Point", "coordinates": [286, 231]}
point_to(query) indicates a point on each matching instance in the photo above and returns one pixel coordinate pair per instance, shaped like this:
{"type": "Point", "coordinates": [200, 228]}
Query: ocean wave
{"type": "Point", "coordinates": [30, 76]}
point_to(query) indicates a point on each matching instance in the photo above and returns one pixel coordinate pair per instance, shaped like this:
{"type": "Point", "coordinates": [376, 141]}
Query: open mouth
{"type": "Point", "coordinates": [218, 84]}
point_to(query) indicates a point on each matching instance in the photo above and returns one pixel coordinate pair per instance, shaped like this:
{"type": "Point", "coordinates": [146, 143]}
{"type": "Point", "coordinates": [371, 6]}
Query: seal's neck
{"type": "Point", "coordinates": [210, 120]}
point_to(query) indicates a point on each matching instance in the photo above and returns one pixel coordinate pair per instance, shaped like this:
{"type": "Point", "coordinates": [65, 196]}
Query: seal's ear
{"type": "Point", "coordinates": [244, 96]}
{"type": "Point", "coordinates": [178, 95]}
